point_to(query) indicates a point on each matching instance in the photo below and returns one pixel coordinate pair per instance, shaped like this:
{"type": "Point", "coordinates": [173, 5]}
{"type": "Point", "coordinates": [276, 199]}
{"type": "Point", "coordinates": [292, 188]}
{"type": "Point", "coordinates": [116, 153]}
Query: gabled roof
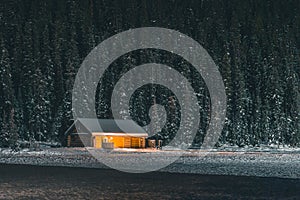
{"type": "Point", "coordinates": [107, 126]}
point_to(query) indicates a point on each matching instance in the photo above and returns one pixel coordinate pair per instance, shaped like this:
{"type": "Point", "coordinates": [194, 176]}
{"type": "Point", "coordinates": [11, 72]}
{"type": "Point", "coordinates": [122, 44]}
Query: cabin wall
{"type": "Point", "coordinates": [119, 141]}
{"type": "Point", "coordinates": [75, 140]}
{"type": "Point", "coordinates": [137, 142]}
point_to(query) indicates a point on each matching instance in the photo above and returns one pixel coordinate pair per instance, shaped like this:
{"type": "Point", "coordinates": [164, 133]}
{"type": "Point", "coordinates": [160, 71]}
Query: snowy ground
{"type": "Point", "coordinates": [264, 162]}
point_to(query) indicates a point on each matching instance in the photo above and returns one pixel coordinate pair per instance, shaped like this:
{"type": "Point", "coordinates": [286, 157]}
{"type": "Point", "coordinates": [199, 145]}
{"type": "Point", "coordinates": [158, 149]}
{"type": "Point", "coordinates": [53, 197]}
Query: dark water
{"type": "Point", "coordinates": [33, 182]}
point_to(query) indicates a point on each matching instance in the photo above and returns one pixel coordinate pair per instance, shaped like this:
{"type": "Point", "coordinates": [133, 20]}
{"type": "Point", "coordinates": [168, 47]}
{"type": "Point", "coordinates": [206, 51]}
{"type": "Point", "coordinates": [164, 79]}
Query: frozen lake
{"type": "Point", "coordinates": [36, 182]}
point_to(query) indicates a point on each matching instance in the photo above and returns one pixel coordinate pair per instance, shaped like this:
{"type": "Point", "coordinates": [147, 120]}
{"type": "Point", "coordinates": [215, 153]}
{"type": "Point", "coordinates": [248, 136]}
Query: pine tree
{"type": "Point", "coordinates": [8, 134]}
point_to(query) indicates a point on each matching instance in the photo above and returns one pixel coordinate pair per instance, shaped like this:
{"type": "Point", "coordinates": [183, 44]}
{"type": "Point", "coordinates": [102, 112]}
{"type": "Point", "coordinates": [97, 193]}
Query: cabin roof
{"type": "Point", "coordinates": [120, 134]}
{"type": "Point", "coordinates": [107, 126]}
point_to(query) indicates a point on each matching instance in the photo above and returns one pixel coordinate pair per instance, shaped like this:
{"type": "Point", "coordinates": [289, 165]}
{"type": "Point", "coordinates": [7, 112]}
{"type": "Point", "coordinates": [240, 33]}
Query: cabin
{"type": "Point", "coordinates": [105, 133]}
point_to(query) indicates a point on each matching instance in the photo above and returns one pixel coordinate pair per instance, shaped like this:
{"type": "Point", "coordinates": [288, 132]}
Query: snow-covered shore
{"type": "Point", "coordinates": [266, 162]}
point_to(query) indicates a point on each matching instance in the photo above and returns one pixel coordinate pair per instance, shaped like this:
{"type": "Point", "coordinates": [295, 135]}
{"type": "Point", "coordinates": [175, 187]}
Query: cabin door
{"type": "Point", "coordinates": [97, 142]}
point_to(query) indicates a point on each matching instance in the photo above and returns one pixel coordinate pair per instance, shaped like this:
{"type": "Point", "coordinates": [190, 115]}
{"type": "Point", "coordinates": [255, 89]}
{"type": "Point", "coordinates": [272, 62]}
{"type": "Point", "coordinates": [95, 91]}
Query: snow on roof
{"type": "Point", "coordinates": [109, 125]}
{"type": "Point", "coordinates": [121, 134]}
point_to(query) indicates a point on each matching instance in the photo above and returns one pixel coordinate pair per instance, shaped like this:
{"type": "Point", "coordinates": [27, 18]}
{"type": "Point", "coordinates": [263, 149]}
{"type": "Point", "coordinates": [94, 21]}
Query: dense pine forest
{"type": "Point", "coordinates": [256, 45]}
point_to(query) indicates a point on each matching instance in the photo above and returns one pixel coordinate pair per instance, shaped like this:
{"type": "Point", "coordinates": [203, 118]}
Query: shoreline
{"type": "Point", "coordinates": [259, 164]}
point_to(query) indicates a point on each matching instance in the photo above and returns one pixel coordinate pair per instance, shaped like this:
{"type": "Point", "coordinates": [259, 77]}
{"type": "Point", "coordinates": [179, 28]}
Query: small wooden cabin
{"type": "Point", "coordinates": [105, 133]}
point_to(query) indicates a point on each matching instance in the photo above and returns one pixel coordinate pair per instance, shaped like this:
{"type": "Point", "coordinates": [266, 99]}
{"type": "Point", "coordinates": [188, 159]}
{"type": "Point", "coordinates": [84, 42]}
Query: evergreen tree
{"type": "Point", "coordinates": [8, 134]}
{"type": "Point", "coordinates": [255, 45]}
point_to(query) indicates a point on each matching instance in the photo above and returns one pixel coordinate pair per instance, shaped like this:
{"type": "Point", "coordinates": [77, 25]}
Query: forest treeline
{"type": "Point", "coordinates": [255, 44]}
